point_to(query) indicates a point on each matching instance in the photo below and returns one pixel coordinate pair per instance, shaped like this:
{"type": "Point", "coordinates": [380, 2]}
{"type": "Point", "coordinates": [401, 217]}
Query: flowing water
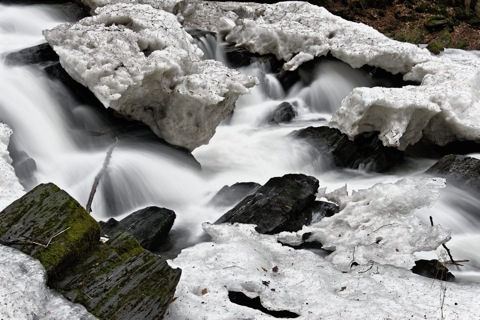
{"type": "Point", "coordinates": [54, 130]}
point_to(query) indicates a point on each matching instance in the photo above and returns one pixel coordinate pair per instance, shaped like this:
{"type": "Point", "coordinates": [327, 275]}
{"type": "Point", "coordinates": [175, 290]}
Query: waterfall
{"type": "Point", "coordinates": [56, 133]}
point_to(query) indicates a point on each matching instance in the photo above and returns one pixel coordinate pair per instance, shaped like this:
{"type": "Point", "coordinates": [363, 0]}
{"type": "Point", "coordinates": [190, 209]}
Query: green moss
{"type": "Point", "coordinates": [415, 36]}
{"type": "Point", "coordinates": [44, 213]}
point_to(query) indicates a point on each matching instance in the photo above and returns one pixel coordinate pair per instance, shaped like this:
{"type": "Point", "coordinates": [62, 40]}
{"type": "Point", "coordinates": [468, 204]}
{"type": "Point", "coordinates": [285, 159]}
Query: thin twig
{"type": "Point", "coordinates": [32, 241]}
{"type": "Point", "coordinates": [96, 181]}
{"type": "Point", "coordinates": [448, 251]}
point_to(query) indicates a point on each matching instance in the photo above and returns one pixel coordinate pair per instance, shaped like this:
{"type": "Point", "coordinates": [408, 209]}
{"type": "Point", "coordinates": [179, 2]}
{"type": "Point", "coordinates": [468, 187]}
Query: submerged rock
{"type": "Point", "coordinates": [116, 280]}
{"type": "Point", "coordinates": [366, 151]}
{"type": "Point", "coordinates": [150, 226]}
{"type": "Point", "coordinates": [139, 61]}
{"type": "Point", "coordinates": [458, 169]}
{"type": "Point", "coordinates": [231, 195]}
{"type": "Point", "coordinates": [282, 204]}
{"type": "Point", "coordinates": [284, 112]}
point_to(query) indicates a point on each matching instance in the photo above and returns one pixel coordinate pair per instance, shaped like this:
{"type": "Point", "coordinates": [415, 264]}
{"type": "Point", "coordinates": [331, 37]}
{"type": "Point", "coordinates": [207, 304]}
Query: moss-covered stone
{"type": "Point", "coordinates": [43, 213]}
{"type": "Point", "coordinates": [121, 280]}
{"type": "Point", "coordinates": [117, 280]}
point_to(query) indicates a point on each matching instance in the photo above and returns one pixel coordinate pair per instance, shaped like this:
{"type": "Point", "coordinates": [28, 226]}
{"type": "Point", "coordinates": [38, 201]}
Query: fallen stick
{"type": "Point", "coordinates": [99, 175]}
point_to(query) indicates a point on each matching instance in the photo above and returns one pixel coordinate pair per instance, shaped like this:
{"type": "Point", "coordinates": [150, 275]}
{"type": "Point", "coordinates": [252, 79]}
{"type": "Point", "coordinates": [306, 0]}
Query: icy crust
{"type": "Point", "coordinates": [443, 109]}
{"type": "Point", "coordinates": [139, 61]}
{"type": "Point", "coordinates": [10, 187]}
{"type": "Point", "coordinates": [378, 225]}
{"type": "Point", "coordinates": [25, 295]}
{"type": "Point", "coordinates": [239, 259]}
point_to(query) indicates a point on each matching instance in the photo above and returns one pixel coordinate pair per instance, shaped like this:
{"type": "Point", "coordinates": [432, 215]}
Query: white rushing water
{"type": "Point", "coordinates": [56, 133]}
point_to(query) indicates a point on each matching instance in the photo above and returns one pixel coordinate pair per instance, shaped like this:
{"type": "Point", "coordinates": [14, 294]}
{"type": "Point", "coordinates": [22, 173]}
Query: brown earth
{"type": "Point", "coordinates": [436, 23]}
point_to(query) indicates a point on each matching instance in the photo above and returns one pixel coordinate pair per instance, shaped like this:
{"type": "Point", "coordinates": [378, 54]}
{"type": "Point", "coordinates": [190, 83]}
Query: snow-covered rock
{"type": "Point", "coordinates": [24, 292]}
{"type": "Point", "coordinates": [139, 61]}
{"type": "Point", "coordinates": [10, 187]}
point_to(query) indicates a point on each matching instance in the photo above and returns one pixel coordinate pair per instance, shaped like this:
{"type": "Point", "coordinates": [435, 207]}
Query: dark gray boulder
{"type": "Point", "coordinates": [282, 204]}
{"type": "Point", "coordinates": [366, 151]}
{"type": "Point", "coordinates": [150, 226]}
{"type": "Point", "coordinates": [231, 195]}
{"type": "Point", "coordinates": [283, 113]}
{"type": "Point", "coordinates": [459, 170]}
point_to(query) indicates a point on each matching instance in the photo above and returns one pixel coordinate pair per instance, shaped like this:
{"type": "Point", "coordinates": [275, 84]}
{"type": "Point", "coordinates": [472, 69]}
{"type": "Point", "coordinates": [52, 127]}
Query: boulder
{"type": "Point", "coordinates": [50, 226]}
{"type": "Point", "coordinates": [366, 151]}
{"type": "Point", "coordinates": [282, 204]}
{"type": "Point", "coordinates": [115, 280]}
{"type": "Point", "coordinates": [458, 169]}
{"type": "Point", "coordinates": [231, 195]}
{"type": "Point", "coordinates": [139, 61]}
{"type": "Point", "coordinates": [150, 226]}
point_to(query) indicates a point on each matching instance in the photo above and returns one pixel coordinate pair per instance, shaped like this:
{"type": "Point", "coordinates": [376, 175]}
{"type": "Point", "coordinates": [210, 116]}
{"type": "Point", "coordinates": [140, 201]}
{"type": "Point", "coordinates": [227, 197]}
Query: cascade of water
{"type": "Point", "coordinates": [246, 146]}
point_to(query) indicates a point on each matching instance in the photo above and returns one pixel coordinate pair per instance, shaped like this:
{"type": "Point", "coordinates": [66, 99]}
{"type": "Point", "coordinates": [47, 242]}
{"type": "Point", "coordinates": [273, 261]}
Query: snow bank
{"type": "Point", "coordinates": [139, 61]}
{"type": "Point", "coordinates": [239, 259]}
{"type": "Point", "coordinates": [444, 108]}
{"type": "Point", "coordinates": [24, 293]}
{"type": "Point", "coordinates": [10, 188]}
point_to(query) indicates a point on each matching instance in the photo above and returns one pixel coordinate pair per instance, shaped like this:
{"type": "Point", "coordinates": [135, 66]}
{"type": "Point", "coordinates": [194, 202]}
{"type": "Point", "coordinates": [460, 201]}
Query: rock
{"type": "Point", "coordinates": [322, 209]}
{"type": "Point", "coordinates": [437, 23]}
{"type": "Point", "coordinates": [366, 151]}
{"type": "Point", "coordinates": [150, 226]}
{"type": "Point", "coordinates": [140, 61]}
{"type": "Point", "coordinates": [432, 269]}
{"type": "Point", "coordinates": [284, 112]}
{"type": "Point", "coordinates": [282, 204]}
{"type": "Point", "coordinates": [40, 54]}
{"type": "Point", "coordinates": [231, 195]}
{"type": "Point", "coordinates": [458, 169]}
{"type": "Point", "coordinates": [47, 212]}
{"type": "Point", "coordinates": [116, 280]}
{"type": "Point", "coordinates": [121, 280]}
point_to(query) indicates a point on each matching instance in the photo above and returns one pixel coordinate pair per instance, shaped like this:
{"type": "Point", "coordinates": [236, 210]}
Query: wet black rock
{"type": "Point", "coordinates": [231, 195]}
{"type": "Point", "coordinates": [150, 226]}
{"type": "Point", "coordinates": [40, 54]}
{"type": "Point", "coordinates": [282, 204]}
{"type": "Point", "coordinates": [334, 147]}
{"type": "Point", "coordinates": [432, 269]}
{"type": "Point", "coordinates": [283, 113]}
{"type": "Point", "coordinates": [459, 170]}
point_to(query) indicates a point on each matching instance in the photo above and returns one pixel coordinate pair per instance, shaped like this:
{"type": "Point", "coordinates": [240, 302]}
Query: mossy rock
{"type": "Point", "coordinates": [43, 213]}
{"type": "Point", "coordinates": [121, 280]}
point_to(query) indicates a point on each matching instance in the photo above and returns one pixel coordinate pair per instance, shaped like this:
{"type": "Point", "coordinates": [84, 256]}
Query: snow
{"type": "Point", "coordinates": [139, 61]}
{"type": "Point", "coordinates": [378, 225]}
{"type": "Point", "coordinates": [239, 259]}
{"type": "Point", "coordinates": [25, 295]}
{"type": "Point", "coordinates": [10, 188]}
